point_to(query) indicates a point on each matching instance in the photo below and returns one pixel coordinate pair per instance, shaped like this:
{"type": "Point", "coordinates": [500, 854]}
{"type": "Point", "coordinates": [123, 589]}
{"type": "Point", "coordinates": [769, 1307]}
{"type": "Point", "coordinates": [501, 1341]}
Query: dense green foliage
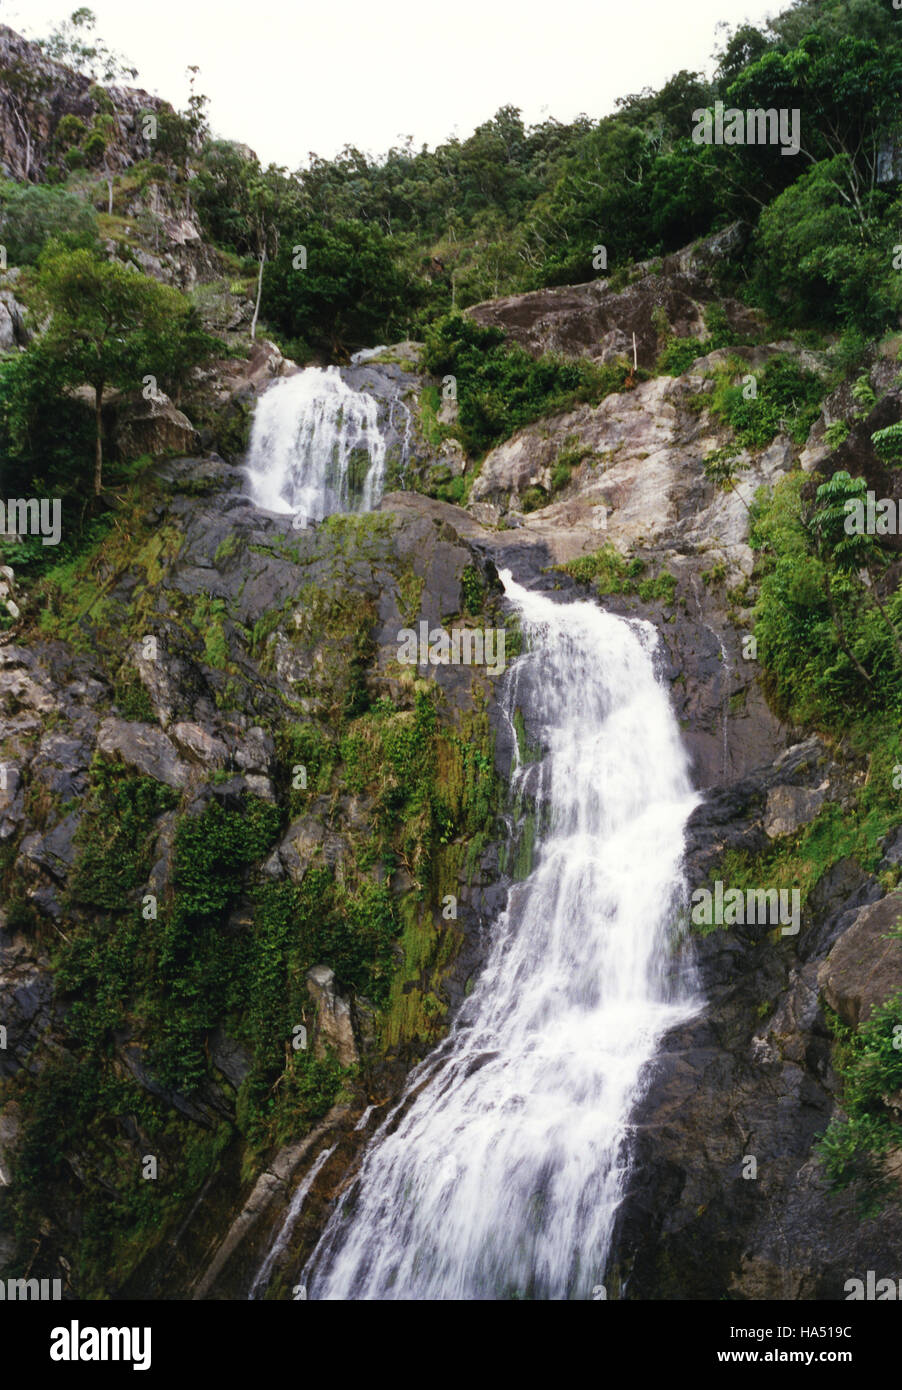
{"type": "Point", "coordinates": [869, 1061]}
{"type": "Point", "coordinates": [351, 291]}
{"type": "Point", "coordinates": [817, 624]}
{"type": "Point", "coordinates": [512, 208]}
{"type": "Point", "coordinates": [500, 387]}
{"type": "Point", "coordinates": [352, 251]}
{"type": "Point", "coordinates": [31, 215]}
{"type": "Point", "coordinates": [609, 572]}
{"type": "Point", "coordinates": [786, 399]}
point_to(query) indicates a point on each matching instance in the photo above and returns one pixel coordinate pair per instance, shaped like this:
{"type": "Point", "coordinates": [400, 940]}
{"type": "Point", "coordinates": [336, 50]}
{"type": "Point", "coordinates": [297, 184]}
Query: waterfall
{"type": "Point", "coordinates": [316, 447]}
{"type": "Point", "coordinates": [499, 1173]}
{"type": "Point", "coordinates": [264, 1273]}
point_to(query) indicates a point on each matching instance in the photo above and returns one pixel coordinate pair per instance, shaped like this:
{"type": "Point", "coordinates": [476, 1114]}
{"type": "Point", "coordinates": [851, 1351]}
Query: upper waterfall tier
{"type": "Point", "coordinates": [316, 447]}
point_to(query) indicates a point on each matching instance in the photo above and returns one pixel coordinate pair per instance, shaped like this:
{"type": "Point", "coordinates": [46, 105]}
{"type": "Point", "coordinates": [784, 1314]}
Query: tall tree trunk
{"type": "Point", "coordinates": [259, 293]}
{"type": "Point", "coordinates": [98, 448]}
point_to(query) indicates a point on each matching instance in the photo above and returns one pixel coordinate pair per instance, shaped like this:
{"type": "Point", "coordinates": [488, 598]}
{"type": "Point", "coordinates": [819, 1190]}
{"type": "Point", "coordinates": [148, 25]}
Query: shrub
{"type": "Point", "coordinates": [888, 443]}
{"type": "Point", "coordinates": [836, 433]}
{"type": "Point", "coordinates": [500, 387]}
{"type": "Point", "coordinates": [678, 355]}
{"type": "Point", "coordinates": [788, 400]}
{"type": "Point", "coordinates": [32, 215]}
{"type": "Point", "coordinates": [870, 1065]}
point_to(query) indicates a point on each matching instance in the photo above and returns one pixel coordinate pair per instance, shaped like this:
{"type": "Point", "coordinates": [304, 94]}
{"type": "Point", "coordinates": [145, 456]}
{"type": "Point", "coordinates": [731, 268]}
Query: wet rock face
{"type": "Point", "coordinates": [14, 332]}
{"type": "Point", "coordinates": [191, 669]}
{"type": "Point", "coordinates": [393, 380]}
{"type": "Point", "coordinates": [334, 1028]}
{"type": "Point", "coordinates": [726, 1197]}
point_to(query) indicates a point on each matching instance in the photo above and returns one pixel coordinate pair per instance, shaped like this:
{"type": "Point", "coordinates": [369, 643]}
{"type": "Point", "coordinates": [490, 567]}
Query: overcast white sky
{"type": "Point", "coordinates": [290, 78]}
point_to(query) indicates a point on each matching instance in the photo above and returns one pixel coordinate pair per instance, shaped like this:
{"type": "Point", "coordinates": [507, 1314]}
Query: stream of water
{"type": "Point", "coordinates": [500, 1172]}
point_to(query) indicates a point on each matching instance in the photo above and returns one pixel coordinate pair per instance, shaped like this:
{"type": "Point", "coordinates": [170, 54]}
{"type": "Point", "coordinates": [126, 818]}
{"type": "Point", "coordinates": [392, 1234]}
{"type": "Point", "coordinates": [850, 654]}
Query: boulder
{"type": "Point", "coordinates": [13, 333]}
{"type": "Point", "coordinates": [333, 1018]}
{"type": "Point", "coordinates": [154, 426]}
{"type": "Point", "coordinates": [864, 968]}
{"type": "Point", "coordinates": [790, 807]}
{"type": "Point", "coordinates": [200, 745]}
{"type": "Point", "coordinates": [144, 748]}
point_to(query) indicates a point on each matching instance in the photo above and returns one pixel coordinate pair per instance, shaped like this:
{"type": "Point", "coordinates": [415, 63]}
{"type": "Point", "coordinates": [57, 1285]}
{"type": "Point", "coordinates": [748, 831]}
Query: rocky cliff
{"type": "Point", "coordinates": [249, 857]}
{"type": "Point", "coordinates": [36, 93]}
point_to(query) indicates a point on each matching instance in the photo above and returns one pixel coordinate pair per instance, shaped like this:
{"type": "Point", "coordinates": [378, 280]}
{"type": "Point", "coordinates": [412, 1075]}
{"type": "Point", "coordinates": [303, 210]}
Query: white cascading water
{"type": "Point", "coordinates": [264, 1273]}
{"type": "Point", "coordinates": [306, 434]}
{"type": "Point", "coordinates": [500, 1172]}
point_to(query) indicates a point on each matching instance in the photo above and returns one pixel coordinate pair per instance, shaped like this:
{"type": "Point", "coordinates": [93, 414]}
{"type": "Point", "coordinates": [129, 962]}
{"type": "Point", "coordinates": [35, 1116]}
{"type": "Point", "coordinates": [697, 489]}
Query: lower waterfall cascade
{"type": "Point", "coordinates": [499, 1173]}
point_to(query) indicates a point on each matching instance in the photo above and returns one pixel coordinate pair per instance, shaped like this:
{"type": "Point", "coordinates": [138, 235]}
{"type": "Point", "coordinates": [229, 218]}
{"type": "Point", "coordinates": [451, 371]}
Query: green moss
{"type": "Point", "coordinates": [207, 618]}
{"type": "Point", "coordinates": [611, 573]}
{"type": "Point", "coordinates": [529, 752]}
{"type": "Point", "coordinates": [472, 589]}
{"type": "Point", "coordinates": [678, 355]}
{"type": "Point", "coordinates": [788, 399]}
{"type": "Point", "coordinates": [410, 595]}
{"type": "Point", "coordinates": [230, 948]}
{"type": "Point", "coordinates": [80, 1105]}
{"type": "Point", "coordinates": [113, 837]}
{"type": "Point", "coordinates": [227, 547]}
{"type": "Point", "coordinates": [130, 697]}
{"type": "Point", "coordinates": [716, 574]}
{"type": "Point", "coordinates": [801, 860]}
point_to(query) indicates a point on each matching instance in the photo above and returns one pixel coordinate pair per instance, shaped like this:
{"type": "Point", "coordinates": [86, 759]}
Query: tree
{"type": "Point", "coordinates": [263, 204]}
{"type": "Point", "coordinates": [817, 262]}
{"type": "Point", "coordinates": [46, 434]}
{"type": "Point", "coordinates": [31, 215]}
{"type": "Point", "coordinates": [109, 326]}
{"type": "Point", "coordinates": [742, 46]}
{"type": "Point", "coordinates": [352, 292]}
{"type": "Point", "coordinates": [72, 43]}
{"type": "Point", "coordinates": [847, 91]}
{"type": "Point", "coordinates": [851, 551]}
{"type": "Point", "coordinates": [26, 90]}
{"type": "Point", "coordinates": [720, 468]}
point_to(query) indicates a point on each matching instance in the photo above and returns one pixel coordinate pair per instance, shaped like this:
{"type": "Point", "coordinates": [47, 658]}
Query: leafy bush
{"type": "Point", "coordinates": [822, 260]}
{"type": "Point", "coordinates": [812, 625]}
{"type": "Point", "coordinates": [836, 433]}
{"type": "Point", "coordinates": [888, 444]}
{"type": "Point", "coordinates": [788, 399]}
{"type": "Point", "coordinates": [678, 355]}
{"type": "Point", "coordinates": [870, 1065]}
{"type": "Point", "coordinates": [112, 838]}
{"type": "Point", "coordinates": [611, 573]}
{"type": "Point", "coordinates": [500, 388]}
{"type": "Point", "coordinates": [32, 216]}
{"type": "Point", "coordinates": [354, 291]}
